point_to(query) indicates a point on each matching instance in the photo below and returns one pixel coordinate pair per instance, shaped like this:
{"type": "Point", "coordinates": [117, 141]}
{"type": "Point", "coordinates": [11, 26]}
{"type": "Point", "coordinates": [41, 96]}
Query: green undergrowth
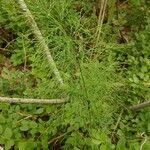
{"type": "Point", "coordinates": [101, 80]}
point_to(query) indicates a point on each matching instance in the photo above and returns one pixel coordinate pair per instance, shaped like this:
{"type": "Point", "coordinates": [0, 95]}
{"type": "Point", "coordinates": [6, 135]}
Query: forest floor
{"type": "Point", "coordinates": [100, 65]}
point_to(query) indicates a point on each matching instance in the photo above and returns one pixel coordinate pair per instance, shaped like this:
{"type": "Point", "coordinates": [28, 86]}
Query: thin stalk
{"type": "Point", "coordinates": [40, 39]}
{"type": "Point", "coordinates": [82, 78]}
{"type": "Point", "coordinates": [100, 20]}
{"type": "Point", "coordinates": [117, 124]}
{"type": "Point", "coordinates": [31, 101]}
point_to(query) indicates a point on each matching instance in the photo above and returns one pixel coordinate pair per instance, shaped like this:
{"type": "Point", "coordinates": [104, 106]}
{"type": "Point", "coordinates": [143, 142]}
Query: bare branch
{"type": "Point", "coordinates": [31, 101]}
{"type": "Point", "coordinates": [140, 106]}
{"type": "Point", "coordinates": [40, 38]}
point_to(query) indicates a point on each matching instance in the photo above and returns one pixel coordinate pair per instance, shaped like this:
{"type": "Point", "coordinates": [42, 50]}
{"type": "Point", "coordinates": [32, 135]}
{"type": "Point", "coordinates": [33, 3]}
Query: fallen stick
{"type": "Point", "coordinates": [58, 101]}
{"type": "Point", "coordinates": [40, 38]}
{"type": "Point", "coordinates": [140, 106]}
{"type": "Point", "coordinates": [31, 101]}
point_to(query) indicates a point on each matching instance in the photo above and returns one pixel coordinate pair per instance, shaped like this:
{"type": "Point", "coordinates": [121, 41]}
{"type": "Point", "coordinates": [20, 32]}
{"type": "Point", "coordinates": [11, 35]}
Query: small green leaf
{"type": "Point", "coordinates": [144, 69]}
{"type": "Point", "coordinates": [121, 145]}
{"type": "Point", "coordinates": [146, 78]}
{"type": "Point", "coordinates": [75, 148]}
{"type": "Point", "coordinates": [135, 146]}
{"type": "Point", "coordinates": [148, 127]}
{"type": "Point", "coordinates": [39, 111]}
{"type": "Point", "coordinates": [33, 124]}
{"type": "Point", "coordinates": [32, 144]}
{"type": "Point", "coordinates": [136, 2]}
{"type": "Point", "coordinates": [141, 75]}
{"type": "Point", "coordinates": [45, 141]}
{"type": "Point", "coordinates": [1, 129]}
{"type": "Point", "coordinates": [22, 145]}
{"type": "Point", "coordinates": [146, 146]}
{"type": "Point", "coordinates": [7, 133]}
{"type": "Point", "coordinates": [135, 79]}
{"type": "Point", "coordinates": [104, 147]}
{"type": "Point", "coordinates": [24, 127]}
{"type": "Point", "coordinates": [9, 144]}
{"type": "Point", "coordinates": [2, 119]}
{"type": "Point", "coordinates": [97, 142]}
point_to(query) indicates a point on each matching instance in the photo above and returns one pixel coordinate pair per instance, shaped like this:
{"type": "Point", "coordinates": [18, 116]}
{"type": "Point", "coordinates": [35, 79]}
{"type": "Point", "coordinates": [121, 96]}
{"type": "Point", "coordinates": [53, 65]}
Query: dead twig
{"type": "Point", "coordinates": [116, 126]}
{"type": "Point", "coordinates": [140, 106]}
{"type": "Point", "coordinates": [58, 137]}
{"type": "Point", "coordinates": [25, 118]}
{"type": "Point", "coordinates": [118, 121]}
{"type": "Point", "coordinates": [40, 38]}
{"type": "Point", "coordinates": [31, 101]}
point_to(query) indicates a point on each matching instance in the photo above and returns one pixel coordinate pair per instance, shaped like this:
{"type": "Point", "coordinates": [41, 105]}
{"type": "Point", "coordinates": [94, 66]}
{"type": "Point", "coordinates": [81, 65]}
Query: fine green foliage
{"type": "Point", "coordinates": [101, 78]}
